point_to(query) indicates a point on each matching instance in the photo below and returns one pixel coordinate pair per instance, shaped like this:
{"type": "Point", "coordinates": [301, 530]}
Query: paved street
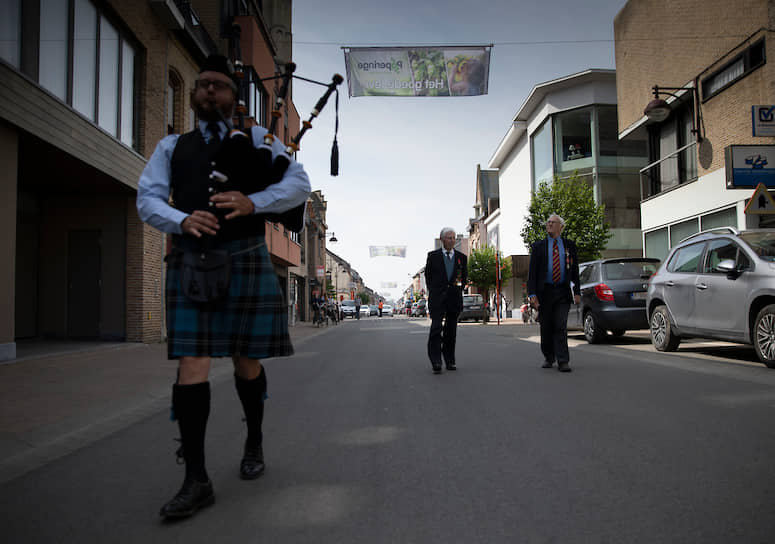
{"type": "Point", "coordinates": [365, 444]}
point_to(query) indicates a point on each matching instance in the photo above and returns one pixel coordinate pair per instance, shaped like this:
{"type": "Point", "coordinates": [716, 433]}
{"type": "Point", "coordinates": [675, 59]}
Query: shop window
{"type": "Point", "coordinates": [723, 218]}
{"type": "Point", "coordinates": [682, 230]}
{"type": "Point", "coordinates": [656, 244]}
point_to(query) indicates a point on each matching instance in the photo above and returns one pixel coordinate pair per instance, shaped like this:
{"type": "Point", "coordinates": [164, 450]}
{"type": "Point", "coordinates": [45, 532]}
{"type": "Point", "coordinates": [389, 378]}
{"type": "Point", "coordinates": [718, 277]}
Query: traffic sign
{"type": "Point", "coordinates": [761, 202]}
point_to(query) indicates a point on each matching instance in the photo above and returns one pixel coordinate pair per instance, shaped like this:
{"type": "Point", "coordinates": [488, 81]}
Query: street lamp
{"type": "Point", "coordinates": [658, 109]}
{"type": "Point", "coordinates": [333, 238]}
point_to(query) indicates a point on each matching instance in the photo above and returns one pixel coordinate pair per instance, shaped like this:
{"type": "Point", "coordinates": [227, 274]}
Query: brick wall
{"type": "Point", "coordinates": [674, 42]}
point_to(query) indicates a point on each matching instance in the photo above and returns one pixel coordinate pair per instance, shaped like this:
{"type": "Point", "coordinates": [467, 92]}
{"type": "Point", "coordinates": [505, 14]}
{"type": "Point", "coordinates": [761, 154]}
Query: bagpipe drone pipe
{"type": "Point", "coordinates": [240, 165]}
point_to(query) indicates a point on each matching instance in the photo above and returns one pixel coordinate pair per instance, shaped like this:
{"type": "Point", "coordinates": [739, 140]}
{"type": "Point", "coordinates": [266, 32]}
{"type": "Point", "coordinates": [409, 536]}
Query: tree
{"type": "Point", "coordinates": [572, 199]}
{"type": "Point", "coordinates": [482, 267]}
{"type": "Point", "coordinates": [364, 298]}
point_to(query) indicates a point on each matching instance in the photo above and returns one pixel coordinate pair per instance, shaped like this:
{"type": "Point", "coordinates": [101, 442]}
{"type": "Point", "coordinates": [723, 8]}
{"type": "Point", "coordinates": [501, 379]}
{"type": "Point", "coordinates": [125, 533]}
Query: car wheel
{"type": "Point", "coordinates": [592, 331]}
{"type": "Point", "coordinates": [764, 335]}
{"type": "Point", "coordinates": [618, 332]}
{"type": "Point", "coordinates": [662, 335]}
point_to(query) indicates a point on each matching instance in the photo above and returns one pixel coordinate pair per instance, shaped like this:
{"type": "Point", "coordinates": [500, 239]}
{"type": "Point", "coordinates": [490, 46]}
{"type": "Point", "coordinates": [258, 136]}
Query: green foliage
{"type": "Point", "coordinates": [330, 291]}
{"type": "Point", "coordinates": [482, 267]}
{"type": "Point", "coordinates": [364, 298]}
{"type": "Point", "coordinates": [572, 199]}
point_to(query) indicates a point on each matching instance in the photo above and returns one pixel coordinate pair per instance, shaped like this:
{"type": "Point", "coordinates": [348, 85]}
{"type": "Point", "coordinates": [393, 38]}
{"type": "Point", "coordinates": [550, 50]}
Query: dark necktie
{"type": "Point", "coordinates": [215, 138]}
{"type": "Point", "coordinates": [556, 273]}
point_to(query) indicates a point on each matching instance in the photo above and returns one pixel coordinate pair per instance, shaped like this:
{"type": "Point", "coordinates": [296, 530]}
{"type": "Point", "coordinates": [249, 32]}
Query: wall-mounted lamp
{"type": "Point", "coordinates": [333, 238]}
{"type": "Point", "coordinates": [658, 109]}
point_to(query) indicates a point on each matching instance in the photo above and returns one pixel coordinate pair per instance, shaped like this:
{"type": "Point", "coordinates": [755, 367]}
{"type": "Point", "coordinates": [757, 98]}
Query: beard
{"type": "Point", "coordinates": [208, 110]}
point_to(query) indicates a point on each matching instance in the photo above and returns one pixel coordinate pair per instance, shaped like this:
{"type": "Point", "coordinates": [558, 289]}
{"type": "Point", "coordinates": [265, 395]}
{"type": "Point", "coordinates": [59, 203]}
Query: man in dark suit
{"type": "Point", "coordinates": [446, 273]}
{"type": "Point", "coordinates": [553, 266]}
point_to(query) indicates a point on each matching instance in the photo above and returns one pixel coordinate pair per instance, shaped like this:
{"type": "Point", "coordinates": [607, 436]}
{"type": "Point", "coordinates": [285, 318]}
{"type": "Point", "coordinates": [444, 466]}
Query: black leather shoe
{"type": "Point", "coordinates": [563, 367]}
{"type": "Point", "coordinates": [547, 364]}
{"type": "Point", "coordinates": [191, 497]}
{"type": "Point", "coordinates": [451, 366]}
{"type": "Point", "coordinates": [437, 369]}
{"type": "Point", "coordinates": [252, 465]}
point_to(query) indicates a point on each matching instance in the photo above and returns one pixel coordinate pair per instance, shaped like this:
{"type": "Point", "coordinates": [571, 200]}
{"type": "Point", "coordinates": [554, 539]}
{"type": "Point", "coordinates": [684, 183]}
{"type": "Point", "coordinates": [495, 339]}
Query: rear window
{"type": "Point", "coordinates": [472, 299]}
{"type": "Point", "coordinates": [629, 270]}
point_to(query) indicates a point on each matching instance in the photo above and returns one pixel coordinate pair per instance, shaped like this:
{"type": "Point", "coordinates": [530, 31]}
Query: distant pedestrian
{"type": "Point", "coordinates": [553, 268]}
{"type": "Point", "coordinates": [446, 274]}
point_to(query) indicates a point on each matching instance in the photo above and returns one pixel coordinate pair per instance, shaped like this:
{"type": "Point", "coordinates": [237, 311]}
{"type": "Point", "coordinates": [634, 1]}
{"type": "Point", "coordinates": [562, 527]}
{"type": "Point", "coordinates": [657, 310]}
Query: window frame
{"type": "Point", "coordinates": [750, 63]}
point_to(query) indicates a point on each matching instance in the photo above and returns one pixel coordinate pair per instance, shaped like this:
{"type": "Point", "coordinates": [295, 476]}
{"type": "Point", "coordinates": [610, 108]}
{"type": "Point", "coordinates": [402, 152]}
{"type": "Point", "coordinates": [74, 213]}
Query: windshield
{"type": "Point", "coordinates": [348, 303]}
{"type": "Point", "coordinates": [762, 243]}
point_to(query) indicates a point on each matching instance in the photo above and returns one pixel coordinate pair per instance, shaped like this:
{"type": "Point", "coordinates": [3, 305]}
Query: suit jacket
{"type": "Point", "coordinates": [539, 258]}
{"type": "Point", "coordinates": [444, 295]}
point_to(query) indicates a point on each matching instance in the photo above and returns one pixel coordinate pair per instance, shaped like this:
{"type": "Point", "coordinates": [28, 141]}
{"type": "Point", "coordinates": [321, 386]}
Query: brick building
{"type": "Point", "coordinates": [78, 119]}
{"type": "Point", "coordinates": [714, 53]}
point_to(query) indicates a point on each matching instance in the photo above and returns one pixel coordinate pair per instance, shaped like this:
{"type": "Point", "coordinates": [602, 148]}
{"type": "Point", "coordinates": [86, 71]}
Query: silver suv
{"type": "Point", "coordinates": [716, 284]}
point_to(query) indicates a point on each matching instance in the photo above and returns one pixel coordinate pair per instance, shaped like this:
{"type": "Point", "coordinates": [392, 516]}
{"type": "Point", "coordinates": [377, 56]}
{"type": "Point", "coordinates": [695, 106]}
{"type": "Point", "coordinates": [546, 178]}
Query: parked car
{"type": "Point", "coordinates": [473, 308]}
{"type": "Point", "coordinates": [365, 310]}
{"type": "Point", "coordinates": [348, 308]}
{"type": "Point", "coordinates": [420, 308]}
{"type": "Point", "coordinates": [613, 297]}
{"type": "Point", "coordinates": [717, 284]}
{"type": "Point", "coordinates": [373, 309]}
{"type": "Point", "coordinates": [387, 310]}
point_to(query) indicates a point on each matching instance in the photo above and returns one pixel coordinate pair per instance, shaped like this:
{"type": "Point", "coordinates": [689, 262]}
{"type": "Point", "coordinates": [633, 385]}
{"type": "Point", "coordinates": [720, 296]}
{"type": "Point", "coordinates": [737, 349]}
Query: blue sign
{"type": "Point", "coordinates": [763, 120]}
{"type": "Point", "coordinates": [749, 165]}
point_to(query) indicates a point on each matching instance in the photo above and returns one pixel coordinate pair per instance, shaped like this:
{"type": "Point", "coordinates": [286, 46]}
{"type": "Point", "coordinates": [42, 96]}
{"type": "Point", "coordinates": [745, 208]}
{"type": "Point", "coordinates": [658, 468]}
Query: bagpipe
{"type": "Point", "coordinates": [240, 165]}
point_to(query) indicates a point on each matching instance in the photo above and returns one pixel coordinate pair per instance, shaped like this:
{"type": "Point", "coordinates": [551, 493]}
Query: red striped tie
{"type": "Point", "coordinates": [556, 275]}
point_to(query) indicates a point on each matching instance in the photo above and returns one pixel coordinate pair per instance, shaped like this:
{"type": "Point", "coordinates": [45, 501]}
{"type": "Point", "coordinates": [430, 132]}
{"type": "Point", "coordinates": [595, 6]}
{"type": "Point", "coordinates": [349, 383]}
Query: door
{"type": "Point", "coordinates": [679, 284]}
{"type": "Point", "coordinates": [83, 284]}
{"type": "Point", "coordinates": [720, 300]}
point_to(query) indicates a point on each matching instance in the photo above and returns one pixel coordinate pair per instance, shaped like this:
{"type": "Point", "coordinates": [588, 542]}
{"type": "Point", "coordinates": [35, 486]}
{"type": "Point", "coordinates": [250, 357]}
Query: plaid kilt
{"type": "Point", "coordinates": [251, 322]}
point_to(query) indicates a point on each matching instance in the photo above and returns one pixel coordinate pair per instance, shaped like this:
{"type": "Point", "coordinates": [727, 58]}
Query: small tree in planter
{"type": "Point", "coordinates": [482, 270]}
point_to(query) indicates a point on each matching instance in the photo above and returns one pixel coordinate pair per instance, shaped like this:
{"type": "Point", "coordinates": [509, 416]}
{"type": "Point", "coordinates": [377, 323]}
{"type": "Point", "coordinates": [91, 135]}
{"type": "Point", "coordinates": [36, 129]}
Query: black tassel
{"type": "Point", "coordinates": [335, 147]}
{"type": "Point", "coordinates": [335, 159]}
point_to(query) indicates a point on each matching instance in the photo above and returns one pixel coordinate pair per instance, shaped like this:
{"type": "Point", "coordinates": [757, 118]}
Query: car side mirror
{"type": "Point", "coordinates": [727, 266]}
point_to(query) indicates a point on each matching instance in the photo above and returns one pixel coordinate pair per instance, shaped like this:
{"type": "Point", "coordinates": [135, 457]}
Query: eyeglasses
{"type": "Point", "coordinates": [219, 85]}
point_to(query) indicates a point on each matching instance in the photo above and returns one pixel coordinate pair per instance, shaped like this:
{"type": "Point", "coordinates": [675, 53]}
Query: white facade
{"type": "Point", "coordinates": [513, 156]}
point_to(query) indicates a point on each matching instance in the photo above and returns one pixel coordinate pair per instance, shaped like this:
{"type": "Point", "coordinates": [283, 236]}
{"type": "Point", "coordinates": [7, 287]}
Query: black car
{"type": "Point", "coordinates": [613, 297]}
{"type": "Point", "coordinates": [473, 308]}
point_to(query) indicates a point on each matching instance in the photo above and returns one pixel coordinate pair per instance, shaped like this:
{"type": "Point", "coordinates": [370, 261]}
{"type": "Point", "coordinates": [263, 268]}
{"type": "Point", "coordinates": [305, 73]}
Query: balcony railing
{"type": "Point", "coordinates": [668, 172]}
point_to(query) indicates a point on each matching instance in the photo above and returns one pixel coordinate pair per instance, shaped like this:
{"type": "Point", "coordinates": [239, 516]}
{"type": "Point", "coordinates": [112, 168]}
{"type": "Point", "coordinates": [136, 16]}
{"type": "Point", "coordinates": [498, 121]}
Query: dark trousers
{"type": "Point", "coordinates": [441, 340]}
{"type": "Point", "coordinates": [553, 318]}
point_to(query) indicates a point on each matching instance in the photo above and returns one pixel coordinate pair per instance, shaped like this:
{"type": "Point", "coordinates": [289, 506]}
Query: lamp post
{"type": "Point", "coordinates": [658, 109]}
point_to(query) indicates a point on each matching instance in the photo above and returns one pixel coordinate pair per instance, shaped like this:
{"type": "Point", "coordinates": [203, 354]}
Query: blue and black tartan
{"type": "Point", "coordinates": [252, 321]}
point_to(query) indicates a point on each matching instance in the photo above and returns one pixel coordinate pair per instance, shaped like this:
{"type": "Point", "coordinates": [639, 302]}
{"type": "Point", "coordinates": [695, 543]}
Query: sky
{"type": "Point", "coordinates": [407, 165]}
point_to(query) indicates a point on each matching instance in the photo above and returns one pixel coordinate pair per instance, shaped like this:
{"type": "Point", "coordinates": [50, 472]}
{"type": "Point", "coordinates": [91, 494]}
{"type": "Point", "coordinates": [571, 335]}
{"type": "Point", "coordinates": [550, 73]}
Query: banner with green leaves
{"type": "Point", "coordinates": [417, 71]}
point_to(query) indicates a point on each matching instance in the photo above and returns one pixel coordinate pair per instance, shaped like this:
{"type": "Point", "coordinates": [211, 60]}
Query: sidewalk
{"type": "Point", "coordinates": [57, 397]}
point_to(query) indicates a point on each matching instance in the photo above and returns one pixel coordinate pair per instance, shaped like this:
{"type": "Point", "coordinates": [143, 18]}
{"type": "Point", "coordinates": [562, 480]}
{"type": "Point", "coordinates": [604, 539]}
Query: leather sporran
{"type": "Point", "coordinates": [204, 275]}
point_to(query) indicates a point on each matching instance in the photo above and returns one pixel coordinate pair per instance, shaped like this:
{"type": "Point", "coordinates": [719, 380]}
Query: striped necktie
{"type": "Point", "coordinates": [556, 273]}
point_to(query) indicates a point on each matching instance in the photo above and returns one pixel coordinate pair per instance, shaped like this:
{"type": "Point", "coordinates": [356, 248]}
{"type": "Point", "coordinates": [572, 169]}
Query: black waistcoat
{"type": "Point", "coordinates": [190, 169]}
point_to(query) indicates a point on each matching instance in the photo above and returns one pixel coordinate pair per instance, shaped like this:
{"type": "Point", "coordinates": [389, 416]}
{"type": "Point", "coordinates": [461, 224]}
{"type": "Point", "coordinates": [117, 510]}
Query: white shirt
{"type": "Point", "coordinates": [153, 189]}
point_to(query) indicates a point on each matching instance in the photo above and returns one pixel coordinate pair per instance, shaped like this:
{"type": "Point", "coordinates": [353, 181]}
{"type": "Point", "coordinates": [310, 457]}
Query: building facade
{"type": "Point", "coordinates": [566, 126]}
{"type": "Point", "coordinates": [89, 88]}
{"type": "Point", "coordinates": [715, 77]}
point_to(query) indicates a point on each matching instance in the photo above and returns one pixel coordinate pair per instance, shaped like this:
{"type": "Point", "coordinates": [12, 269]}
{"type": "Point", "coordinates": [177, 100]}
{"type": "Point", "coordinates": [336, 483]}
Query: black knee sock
{"type": "Point", "coordinates": [251, 394]}
{"type": "Point", "coordinates": [192, 408]}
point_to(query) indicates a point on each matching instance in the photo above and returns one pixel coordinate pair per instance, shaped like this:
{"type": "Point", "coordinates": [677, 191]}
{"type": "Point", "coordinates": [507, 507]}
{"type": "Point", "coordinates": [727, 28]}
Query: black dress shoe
{"type": "Point", "coordinates": [191, 497]}
{"type": "Point", "coordinates": [451, 366]}
{"type": "Point", "coordinates": [563, 367]}
{"type": "Point", "coordinates": [252, 465]}
{"type": "Point", "coordinates": [437, 369]}
{"type": "Point", "coordinates": [547, 364]}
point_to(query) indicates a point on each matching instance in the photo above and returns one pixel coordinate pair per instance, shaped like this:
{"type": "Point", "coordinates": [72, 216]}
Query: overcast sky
{"type": "Point", "coordinates": [408, 165]}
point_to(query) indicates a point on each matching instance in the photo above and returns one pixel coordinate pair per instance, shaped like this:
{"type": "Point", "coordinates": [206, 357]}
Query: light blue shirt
{"type": "Point", "coordinates": [550, 251]}
{"type": "Point", "coordinates": [153, 190]}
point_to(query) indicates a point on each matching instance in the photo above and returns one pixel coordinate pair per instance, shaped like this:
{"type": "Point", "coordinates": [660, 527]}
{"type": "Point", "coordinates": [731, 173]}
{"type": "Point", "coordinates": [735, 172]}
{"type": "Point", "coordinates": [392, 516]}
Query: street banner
{"type": "Point", "coordinates": [387, 251]}
{"type": "Point", "coordinates": [417, 71]}
{"type": "Point", "coordinates": [390, 285]}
